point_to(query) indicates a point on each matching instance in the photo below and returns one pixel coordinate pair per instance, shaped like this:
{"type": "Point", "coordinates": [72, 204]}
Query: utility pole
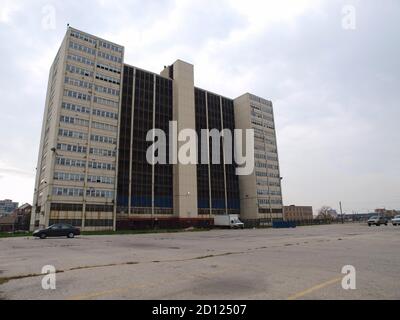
{"type": "Point", "coordinates": [341, 212]}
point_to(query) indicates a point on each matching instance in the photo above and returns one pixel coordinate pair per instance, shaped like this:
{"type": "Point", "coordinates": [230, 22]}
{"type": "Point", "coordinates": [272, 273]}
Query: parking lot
{"type": "Point", "coordinates": [301, 263]}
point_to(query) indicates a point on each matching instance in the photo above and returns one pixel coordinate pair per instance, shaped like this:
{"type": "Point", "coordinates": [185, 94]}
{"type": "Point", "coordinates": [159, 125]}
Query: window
{"type": "Point", "coordinates": [74, 107]}
{"type": "Point", "coordinates": [101, 165]}
{"type": "Point", "coordinates": [105, 114]}
{"type": "Point", "coordinates": [82, 48]}
{"type": "Point", "coordinates": [71, 148]}
{"type": "Point", "coordinates": [70, 162]}
{"type": "Point", "coordinates": [68, 192]}
{"type": "Point", "coordinates": [77, 95]}
{"type": "Point", "coordinates": [105, 78]}
{"type": "Point", "coordinates": [68, 176]}
{"type": "Point", "coordinates": [106, 102]}
{"type": "Point", "coordinates": [108, 68]}
{"type": "Point", "coordinates": [77, 83]}
{"type": "Point", "coordinates": [72, 134]}
{"type": "Point", "coordinates": [102, 89]}
{"type": "Point", "coordinates": [76, 121]}
{"type": "Point", "coordinates": [78, 70]}
{"type": "Point", "coordinates": [101, 179]}
{"type": "Point", "coordinates": [99, 193]}
{"type": "Point", "coordinates": [109, 57]}
{"type": "Point", "coordinates": [110, 46]}
{"type": "Point", "coordinates": [83, 37]}
{"type": "Point", "coordinates": [104, 126]}
{"type": "Point", "coordinates": [103, 139]}
{"type": "Point", "coordinates": [80, 59]}
{"type": "Point", "coordinates": [103, 152]}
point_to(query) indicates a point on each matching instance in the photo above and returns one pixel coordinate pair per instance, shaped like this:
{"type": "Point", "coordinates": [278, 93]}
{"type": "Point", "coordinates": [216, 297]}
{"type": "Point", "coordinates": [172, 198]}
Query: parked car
{"type": "Point", "coordinates": [377, 221]}
{"type": "Point", "coordinates": [396, 221]}
{"type": "Point", "coordinates": [57, 230]}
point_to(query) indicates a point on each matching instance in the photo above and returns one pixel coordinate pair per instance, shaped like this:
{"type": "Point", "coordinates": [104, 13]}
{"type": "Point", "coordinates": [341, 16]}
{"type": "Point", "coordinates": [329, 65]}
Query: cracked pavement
{"type": "Point", "coordinates": [217, 264]}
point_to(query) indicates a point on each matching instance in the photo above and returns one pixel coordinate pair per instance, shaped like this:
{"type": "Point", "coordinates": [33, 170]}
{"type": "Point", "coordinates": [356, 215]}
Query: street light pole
{"type": "Point", "coordinates": [341, 212]}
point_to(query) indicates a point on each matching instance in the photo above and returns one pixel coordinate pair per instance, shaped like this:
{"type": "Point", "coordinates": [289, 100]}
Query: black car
{"type": "Point", "coordinates": [58, 230]}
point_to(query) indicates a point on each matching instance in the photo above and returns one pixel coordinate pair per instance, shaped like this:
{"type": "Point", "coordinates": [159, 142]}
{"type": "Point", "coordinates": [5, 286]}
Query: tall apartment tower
{"type": "Point", "coordinates": [76, 171]}
{"type": "Point", "coordinates": [260, 192]}
{"type": "Point", "coordinates": [92, 168]}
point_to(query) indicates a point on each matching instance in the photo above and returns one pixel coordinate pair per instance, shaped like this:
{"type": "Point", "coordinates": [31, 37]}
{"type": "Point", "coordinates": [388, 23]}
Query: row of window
{"type": "Point", "coordinates": [67, 176]}
{"type": "Point", "coordinates": [100, 193]}
{"type": "Point", "coordinates": [261, 165]}
{"type": "Point", "coordinates": [70, 162]}
{"type": "Point", "coordinates": [82, 48]}
{"type": "Point", "coordinates": [268, 201]}
{"type": "Point", "coordinates": [80, 59]}
{"type": "Point", "coordinates": [109, 57]}
{"type": "Point", "coordinates": [262, 116]}
{"type": "Point", "coordinates": [265, 174]}
{"type": "Point", "coordinates": [101, 165]}
{"type": "Point", "coordinates": [109, 68]}
{"type": "Point", "coordinates": [72, 134]}
{"type": "Point", "coordinates": [83, 37]}
{"type": "Point", "coordinates": [102, 89]}
{"type": "Point", "coordinates": [103, 152]}
{"type": "Point", "coordinates": [101, 179]}
{"type": "Point", "coordinates": [103, 139]}
{"type": "Point", "coordinates": [105, 114]}
{"type": "Point", "coordinates": [104, 126]}
{"type": "Point", "coordinates": [76, 121]}
{"type": "Point", "coordinates": [267, 183]}
{"type": "Point", "coordinates": [268, 192]}
{"type": "Point", "coordinates": [78, 70]}
{"type": "Point", "coordinates": [77, 95]}
{"type": "Point", "coordinates": [77, 192]}
{"type": "Point", "coordinates": [110, 46]}
{"type": "Point", "coordinates": [83, 149]}
{"type": "Point", "coordinates": [265, 165]}
{"type": "Point", "coordinates": [96, 112]}
{"type": "Point", "coordinates": [82, 164]}
{"type": "Point", "coordinates": [78, 83]}
{"type": "Point", "coordinates": [71, 148]}
{"type": "Point", "coordinates": [106, 102]}
{"type": "Point", "coordinates": [74, 107]}
{"type": "Point", "coordinates": [105, 78]}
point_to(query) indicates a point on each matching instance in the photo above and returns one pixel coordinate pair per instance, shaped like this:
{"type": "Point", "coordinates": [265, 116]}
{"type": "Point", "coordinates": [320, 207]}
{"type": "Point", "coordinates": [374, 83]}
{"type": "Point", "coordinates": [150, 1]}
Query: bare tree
{"type": "Point", "coordinates": [325, 213]}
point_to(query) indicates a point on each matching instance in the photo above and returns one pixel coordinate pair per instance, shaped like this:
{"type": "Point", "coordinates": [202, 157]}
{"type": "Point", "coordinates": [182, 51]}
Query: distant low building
{"type": "Point", "coordinates": [7, 206]}
{"type": "Point", "coordinates": [387, 213]}
{"type": "Point", "coordinates": [298, 213]}
{"type": "Point", "coordinates": [18, 220]}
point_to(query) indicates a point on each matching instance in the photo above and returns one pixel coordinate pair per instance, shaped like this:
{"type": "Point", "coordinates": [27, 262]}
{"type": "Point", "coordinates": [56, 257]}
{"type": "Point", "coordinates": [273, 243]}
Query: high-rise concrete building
{"type": "Point", "coordinates": [92, 168]}
{"type": "Point", "coordinates": [260, 192]}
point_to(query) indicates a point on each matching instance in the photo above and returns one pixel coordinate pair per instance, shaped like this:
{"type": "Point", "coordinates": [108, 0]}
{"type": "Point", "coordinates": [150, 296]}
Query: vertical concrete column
{"type": "Point", "coordinates": [185, 176]}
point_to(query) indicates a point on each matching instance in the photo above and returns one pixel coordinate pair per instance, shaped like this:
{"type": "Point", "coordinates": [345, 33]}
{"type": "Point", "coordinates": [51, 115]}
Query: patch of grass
{"type": "Point", "coordinates": [107, 233]}
{"type": "Point", "coordinates": [15, 234]}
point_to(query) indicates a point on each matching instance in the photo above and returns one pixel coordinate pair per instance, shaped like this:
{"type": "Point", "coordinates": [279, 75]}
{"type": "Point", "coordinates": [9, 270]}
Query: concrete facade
{"type": "Point", "coordinates": [260, 192]}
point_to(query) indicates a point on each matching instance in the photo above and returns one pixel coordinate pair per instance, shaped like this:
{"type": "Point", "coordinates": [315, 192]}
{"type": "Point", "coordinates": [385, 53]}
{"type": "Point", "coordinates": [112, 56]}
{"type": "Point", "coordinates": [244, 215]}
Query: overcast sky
{"type": "Point", "coordinates": [335, 88]}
